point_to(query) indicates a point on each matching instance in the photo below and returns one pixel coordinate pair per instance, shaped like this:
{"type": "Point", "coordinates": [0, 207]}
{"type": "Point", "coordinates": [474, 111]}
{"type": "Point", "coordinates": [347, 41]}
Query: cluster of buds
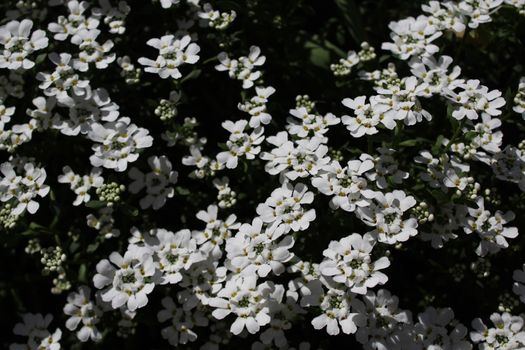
{"type": "Point", "coordinates": [184, 134]}
{"type": "Point", "coordinates": [226, 197]}
{"type": "Point", "coordinates": [345, 65]}
{"type": "Point", "coordinates": [507, 302]}
{"type": "Point", "coordinates": [129, 72]}
{"type": "Point", "coordinates": [110, 193]}
{"type": "Point", "coordinates": [481, 267]}
{"type": "Point", "coordinates": [336, 154]}
{"type": "Point", "coordinates": [167, 109]}
{"type": "Point", "coordinates": [53, 259]}
{"type": "Point", "coordinates": [472, 190]}
{"type": "Point", "coordinates": [492, 196]}
{"type": "Point", "coordinates": [466, 152]}
{"type": "Point", "coordinates": [33, 246]}
{"type": "Point", "coordinates": [367, 52]}
{"type": "Point", "coordinates": [305, 102]}
{"type": "Point", "coordinates": [215, 19]}
{"type": "Point", "coordinates": [8, 220]}
{"type": "Point", "coordinates": [422, 213]}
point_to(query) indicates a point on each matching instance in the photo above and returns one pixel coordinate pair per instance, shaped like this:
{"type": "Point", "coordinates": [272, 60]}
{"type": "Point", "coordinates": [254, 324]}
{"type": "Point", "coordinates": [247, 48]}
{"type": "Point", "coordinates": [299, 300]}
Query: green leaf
{"type": "Point", "coordinates": [35, 226]}
{"type": "Point", "coordinates": [129, 210]}
{"type": "Point", "coordinates": [437, 145]}
{"type": "Point", "coordinates": [182, 191]}
{"type": "Point", "coordinates": [409, 143]}
{"type": "Point", "coordinates": [95, 204]}
{"type": "Point", "coordinates": [352, 18]}
{"type": "Point", "coordinates": [319, 56]}
{"type": "Point", "coordinates": [92, 247]}
{"type": "Point", "coordinates": [82, 273]}
{"type": "Point", "coordinates": [40, 58]}
{"type": "Point", "coordinates": [440, 196]}
{"type": "Point", "coordinates": [73, 247]}
{"type": "Point", "coordinates": [194, 74]}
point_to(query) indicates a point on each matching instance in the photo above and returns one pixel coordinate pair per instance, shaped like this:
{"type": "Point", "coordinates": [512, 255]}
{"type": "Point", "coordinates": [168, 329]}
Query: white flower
{"type": "Point", "coordinates": [445, 172]}
{"type": "Point", "coordinates": [81, 185]}
{"type": "Point", "coordinates": [174, 253]}
{"type": "Point", "coordinates": [240, 143]}
{"type": "Point", "coordinates": [243, 68]}
{"type": "Point", "coordinates": [182, 321]}
{"type": "Point", "coordinates": [246, 300]}
{"type": "Point", "coordinates": [114, 16]}
{"type": "Point", "coordinates": [75, 21]}
{"type": "Point", "coordinates": [17, 45]}
{"type": "Point", "coordinates": [348, 261]}
{"type": "Point", "coordinates": [345, 65]}
{"type": "Point", "coordinates": [383, 319]}
{"type": "Point", "coordinates": [509, 165]}
{"type": "Point", "coordinates": [157, 182]}
{"type": "Point", "coordinates": [216, 19]}
{"type": "Point", "coordinates": [489, 228]}
{"type": "Point", "coordinates": [401, 102]}
{"type": "Point", "coordinates": [282, 315]}
{"type": "Point", "coordinates": [172, 54]}
{"type": "Point", "coordinates": [22, 189]}
{"type": "Point", "coordinates": [91, 51]}
{"type": "Point", "coordinates": [82, 309]}
{"type": "Point", "coordinates": [445, 15]}
{"type": "Point", "coordinates": [90, 107]}
{"type": "Point", "coordinates": [63, 82]}
{"type": "Point", "coordinates": [475, 99]}
{"type": "Point", "coordinates": [412, 37]}
{"type": "Point", "coordinates": [339, 308]}
{"type": "Point", "coordinates": [127, 280]}
{"type": "Point", "coordinates": [437, 330]}
{"type": "Point", "coordinates": [507, 334]}
{"type": "Point", "coordinates": [43, 115]}
{"type": "Point", "coordinates": [367, 116]}
{"type": "Point", "coordinates": [257, 250]}
{"type": "Point", "coordinates": [479, 11]}
{"type": "Point", "coordinates": [435, 73]}
{"type": "Point", "coordinates": [256, 107]}
{"type": "Point", "coordinates": [34, 327]}
{"type": "Point", "coordinates": [285, 206]}
{"type": "Point", "coordinates": [118, 143]}
{"type": "Point", "coordinates": [216, 232]}
{"type": "Point", "coordinates": [347, 186]}
{"type": "Point", "coordinates": [385, 168]}
{"type": "Point", "coordinates": [301, 159]}
{"type": "Point", "coordinates": [104, 222]}
{"type": "Point", "coordinates": [386, 214]}
{"type": "Point", "coordinates": [309, 125]}
{"type": "Point", "coordinates": [6, 113]}
{"type": "Point", "coordinates": [204, 280]}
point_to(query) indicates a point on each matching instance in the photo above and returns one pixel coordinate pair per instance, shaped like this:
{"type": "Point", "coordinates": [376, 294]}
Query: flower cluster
{"type": "Point", "coordinates": [268, 219]}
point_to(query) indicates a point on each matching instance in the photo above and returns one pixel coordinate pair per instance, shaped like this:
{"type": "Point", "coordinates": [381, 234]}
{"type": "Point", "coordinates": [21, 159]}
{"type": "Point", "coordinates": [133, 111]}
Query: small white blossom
{"type": "Point", "coordinates": [17, 45]}
{"type": "Point", "coordinates": [348, 261]}
{"type": "Point", "coordinates": [172, 54]}
{"type": "Point", "coordinates": [157, 182]}
{"type": "Point", "coordinates": [507, 333]}
{"type": "Point", "coordinates": [285, 205]}
{"type": "Point", "coordinates": [85, 312]}
{"type": "Point", "coordinates": [127, 280]}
